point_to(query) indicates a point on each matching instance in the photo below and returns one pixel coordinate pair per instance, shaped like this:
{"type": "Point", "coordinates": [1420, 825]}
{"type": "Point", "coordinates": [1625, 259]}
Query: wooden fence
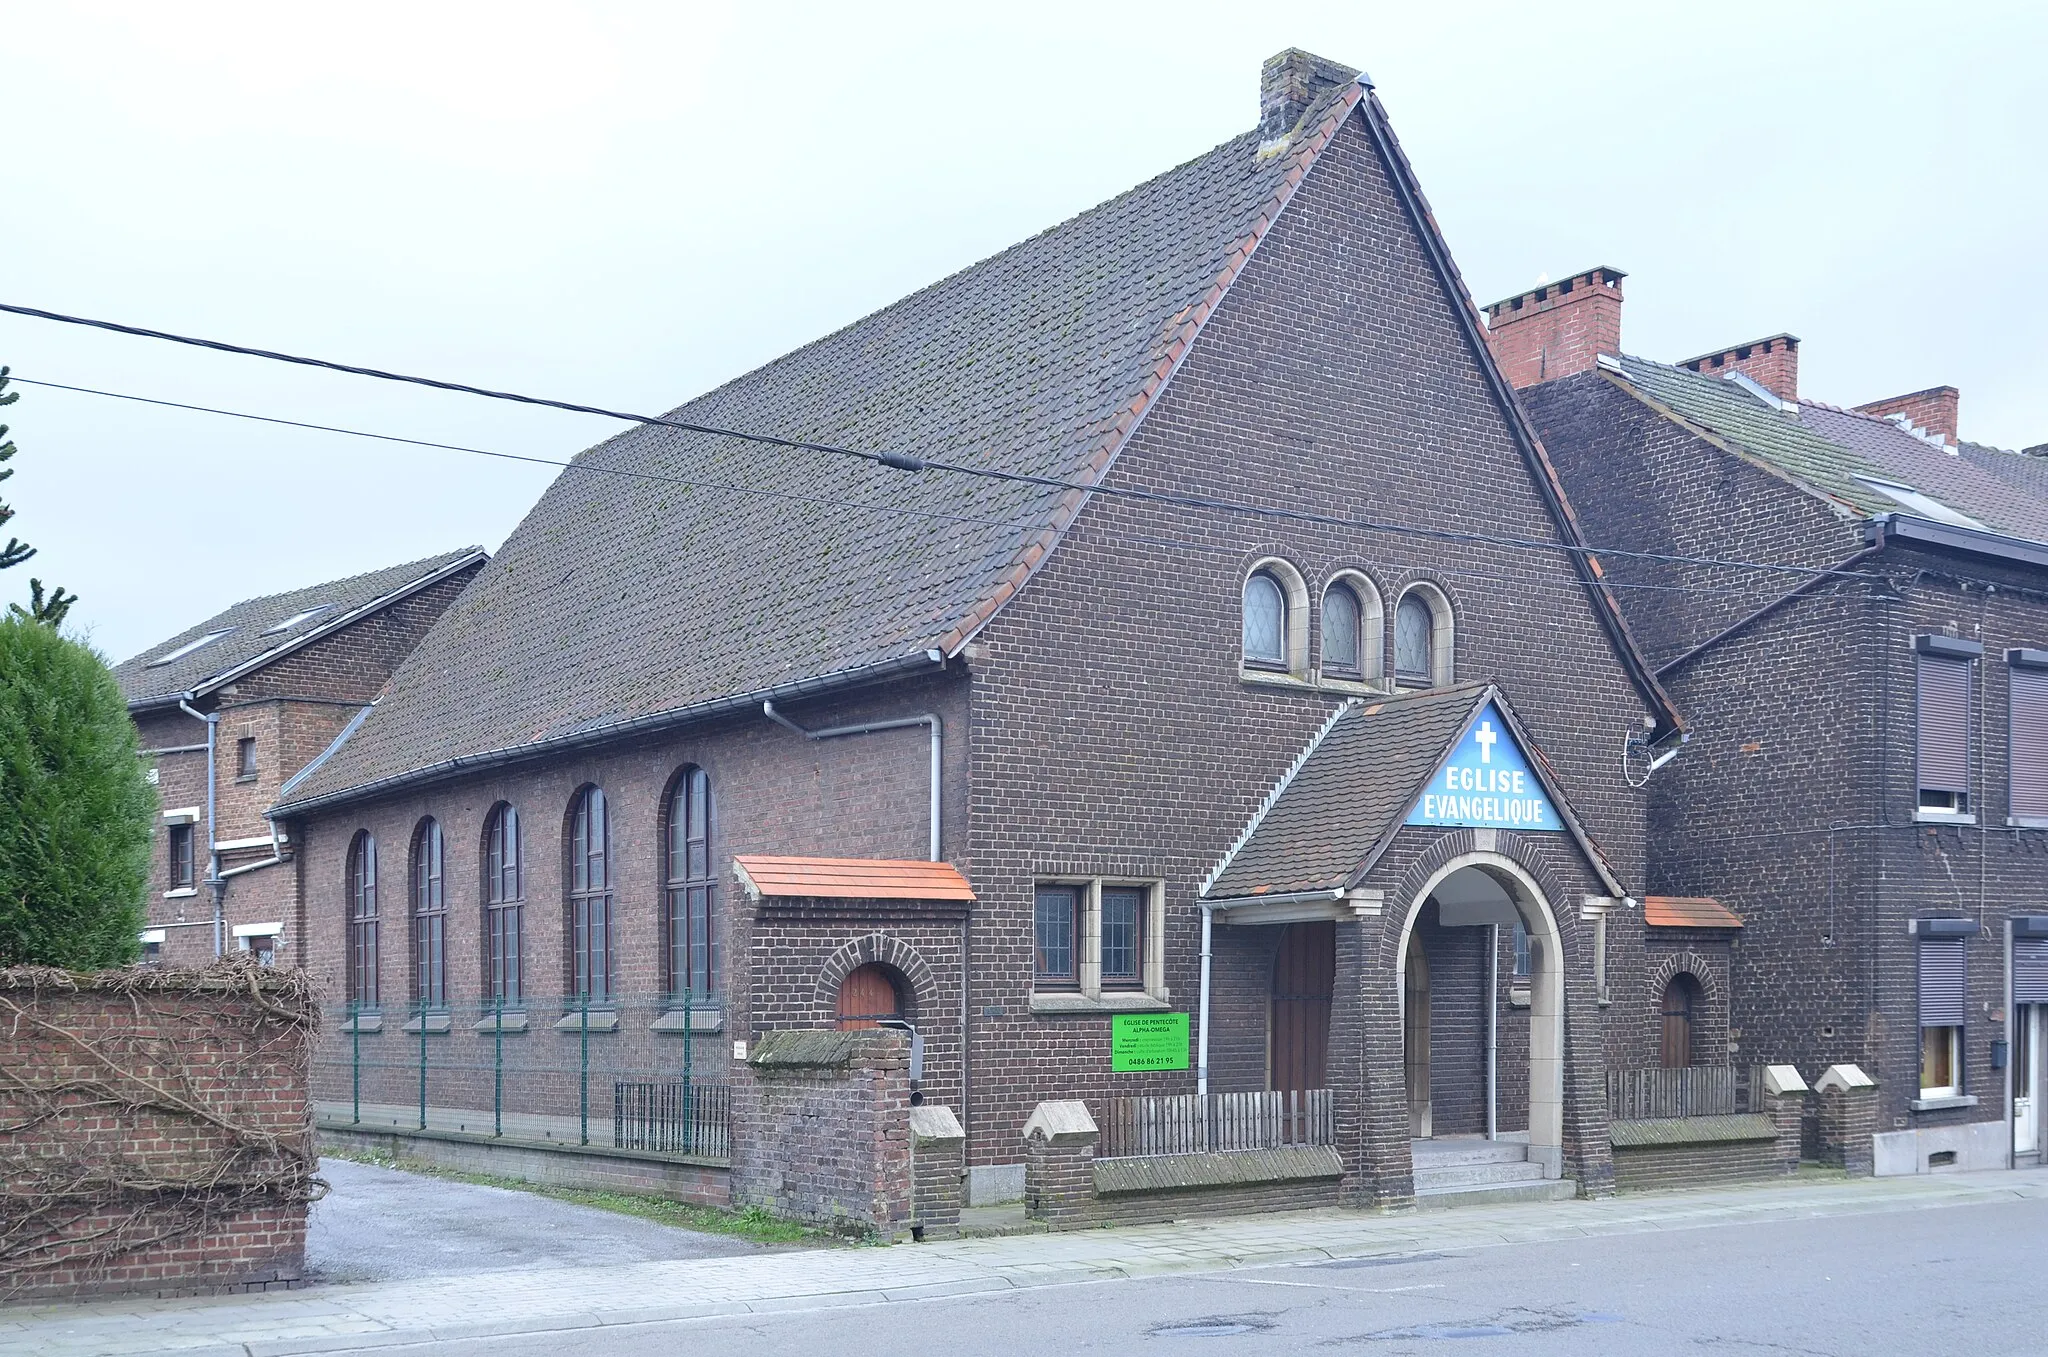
{"type": "Point", "coordinates": [1702, 1091]}
{"type": "Point", "coordinates": [1195, 1123]}
{"type": "Point", "coordinates": [673, 1117]}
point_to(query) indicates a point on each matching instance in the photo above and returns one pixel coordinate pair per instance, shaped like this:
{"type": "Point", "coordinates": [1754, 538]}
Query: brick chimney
{"type": "Point", "coordinates": [1771, 363]}
{"type": "Point", "coordinates": [1289, 83]}
{"type": "Point", "coordinates": [1932, 411]}
{"type": "Point", "coordinates": [1556, 329]}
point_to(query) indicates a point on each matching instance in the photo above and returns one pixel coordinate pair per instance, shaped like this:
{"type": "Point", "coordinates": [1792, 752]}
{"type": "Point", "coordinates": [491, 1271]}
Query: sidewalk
{"type": "Point", "coordinates": [383, 1314]}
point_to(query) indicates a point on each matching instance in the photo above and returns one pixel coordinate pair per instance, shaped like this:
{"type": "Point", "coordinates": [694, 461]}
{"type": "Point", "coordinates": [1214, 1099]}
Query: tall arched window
{"type": "Point", "coordinates": [1422, 638]}
{"type": "Point", "coordinates": [1265, 620]}
{"type": "Point", "coordinates": [590, 897]}
{"type": "Point", "coordinates": [1343, 637]}
{"type": "Point", "coordinates": [429, 918]}
{"type": "Point", "coordinates": [362, 920]}
{"type": "Point", "coordinates": [504, 906]}
{"type": "Point", "coordinates": [691, 962]}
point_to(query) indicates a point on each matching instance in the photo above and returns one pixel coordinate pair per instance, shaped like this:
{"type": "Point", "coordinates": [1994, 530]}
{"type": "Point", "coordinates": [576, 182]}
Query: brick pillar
{"type": "Point", "coordinates": [1785, 1095]}
{"type": "Point", "coordinates": [1059, 1164]}
{"type": "Point", "coordinates": [1848, 1119]}
{"type": "Point", "coordinates": [1588, 1150]}
{"type": "Point", "coordinates": [1366, 1074]}
{"type": "Point", "coordinates": [938, 1172]}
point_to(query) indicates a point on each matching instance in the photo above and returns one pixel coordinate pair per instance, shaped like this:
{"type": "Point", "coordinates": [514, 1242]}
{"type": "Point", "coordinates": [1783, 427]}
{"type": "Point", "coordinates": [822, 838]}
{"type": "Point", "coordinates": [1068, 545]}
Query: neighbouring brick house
{"type": "Point", "coordinates": [277, 678]}
{"type": "Point", "coordinates": [1865, 786]}
{"type": "Point", "coordinates": [689, 734]}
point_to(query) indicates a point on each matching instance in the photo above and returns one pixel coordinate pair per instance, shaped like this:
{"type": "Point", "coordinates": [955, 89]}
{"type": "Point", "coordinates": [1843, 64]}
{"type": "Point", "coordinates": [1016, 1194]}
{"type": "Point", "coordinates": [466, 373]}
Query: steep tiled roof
{"type": "Point", "coordinates": [851, 878]}
{"type": "Point", "coordinates": [643, 585]}
{"type": "Point", "coordinates": [251, 631]}
{"type": "Point", "coordinates": [1688, 911]}
{"type": "Point", "coordinates": [1962, 482]}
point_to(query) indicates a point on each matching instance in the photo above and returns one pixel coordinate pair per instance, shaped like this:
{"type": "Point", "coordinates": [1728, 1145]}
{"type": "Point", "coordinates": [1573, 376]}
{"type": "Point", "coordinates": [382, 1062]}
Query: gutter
{"type": "Point", "coordinates": [929, 720]}
{"type": "Point", "coordinates": [1976, 541]}
{"type": "Point", "coordinates": [922, 661]}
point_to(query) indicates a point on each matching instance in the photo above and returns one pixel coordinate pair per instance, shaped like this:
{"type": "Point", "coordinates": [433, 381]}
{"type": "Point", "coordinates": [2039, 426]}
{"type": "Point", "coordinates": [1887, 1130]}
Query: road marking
{"type": "Point", "coordinates": [1332, 1286]}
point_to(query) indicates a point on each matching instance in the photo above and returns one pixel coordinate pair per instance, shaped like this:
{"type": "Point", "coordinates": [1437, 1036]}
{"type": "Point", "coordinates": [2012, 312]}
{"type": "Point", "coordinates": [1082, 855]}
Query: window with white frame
{"type": "Point", "coordinates": [1946, 674]}
{"type": "Point", "coordinates": [1943, 991]}
{"type": "Point", "coordinates": [1423, 638]}
{"type": "Point", "coordinates": [1099, 939]}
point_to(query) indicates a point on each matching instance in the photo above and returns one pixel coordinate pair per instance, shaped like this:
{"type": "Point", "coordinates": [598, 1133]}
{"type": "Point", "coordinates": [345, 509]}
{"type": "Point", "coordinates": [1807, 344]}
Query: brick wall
{"type": "Point", "coordinates": [157, 1133]}
{"type": "Point", "coordinates": [821, 1129]}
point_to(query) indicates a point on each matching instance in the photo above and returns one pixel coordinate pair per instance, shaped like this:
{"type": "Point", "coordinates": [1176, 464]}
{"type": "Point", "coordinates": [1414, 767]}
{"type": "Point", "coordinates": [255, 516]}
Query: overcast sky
{"type": "Point", "coordinates": [624, 205]}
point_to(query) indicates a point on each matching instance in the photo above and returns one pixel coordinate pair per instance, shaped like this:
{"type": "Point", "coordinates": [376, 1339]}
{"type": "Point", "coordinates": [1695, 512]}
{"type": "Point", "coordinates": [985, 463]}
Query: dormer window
{"type": "Point", "coordinates": [1265, 621]}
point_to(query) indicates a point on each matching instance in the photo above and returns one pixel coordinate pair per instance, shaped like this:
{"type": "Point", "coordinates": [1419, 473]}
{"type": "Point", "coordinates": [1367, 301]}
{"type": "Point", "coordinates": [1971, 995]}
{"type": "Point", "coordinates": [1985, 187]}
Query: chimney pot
{"type": "Point", "coordinates": [1556, 329]}
{"type": "Point", "coordinates": [1772, 363]}
{"type": "Point", "coordinates": [1933, 410]}
{"type": "Point", "coordinates": [1289, 83]}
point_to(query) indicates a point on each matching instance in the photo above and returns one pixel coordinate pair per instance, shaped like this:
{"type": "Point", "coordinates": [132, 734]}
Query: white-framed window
{"type": "Point", "coordinates": [259, 941]}
{"type": "Point", "coordinates": [1943, 984]}
{"type": "Point", "coordinates": [1099, 939]}
{"type": "Point", "coordinates": [1423, 638]}
{"type": "Point", "coordinates": [1275, 614]}
{"type": "Point", "coordinates": [1353, 630]}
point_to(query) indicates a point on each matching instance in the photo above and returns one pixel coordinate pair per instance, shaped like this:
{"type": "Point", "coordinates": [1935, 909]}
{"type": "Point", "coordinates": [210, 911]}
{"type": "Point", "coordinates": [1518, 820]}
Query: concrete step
{"type": "Point", "coordinates": [1472, 1175]}
{"type": "Point", "coordinates": [1431, 1153]}
{"type": "Point", "coordinates": [1496, 1194]}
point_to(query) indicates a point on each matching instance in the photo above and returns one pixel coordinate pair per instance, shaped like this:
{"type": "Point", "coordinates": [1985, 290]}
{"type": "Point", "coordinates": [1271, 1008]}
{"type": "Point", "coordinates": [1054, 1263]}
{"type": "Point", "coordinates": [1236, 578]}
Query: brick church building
{"type": "Point", "coordinates": [1260, 675]}
{"type": "Point", "coordinates": [1865, 786]}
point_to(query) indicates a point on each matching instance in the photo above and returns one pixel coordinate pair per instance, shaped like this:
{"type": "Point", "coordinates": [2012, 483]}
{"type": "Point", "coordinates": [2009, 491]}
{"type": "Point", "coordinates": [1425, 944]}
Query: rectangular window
{"type": "Point", "coordinates": [1942, 751]}
{"type": "Point", "coordinates": [1123, 937]}
{"type": "Point", "coordinates": [2027, 728]}
{"type": "Point", "coordinates": [1943, 976]}
{"type": "Point", "coordinates": [245, 756]}
{"type": "Point", "coordinates": [181, 860]}
{"type": "Point", "coordinates": [1521, 950]}
{"type": "Point", "coordinates": [1058, 928]}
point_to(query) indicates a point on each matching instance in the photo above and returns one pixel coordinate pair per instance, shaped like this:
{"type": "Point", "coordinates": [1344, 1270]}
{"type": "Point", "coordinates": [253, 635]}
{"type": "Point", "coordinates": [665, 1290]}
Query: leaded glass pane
{"type": "Point", "coordinates": [1265, 620]}
{"type": "Point", "coordinates": [1340, 630]}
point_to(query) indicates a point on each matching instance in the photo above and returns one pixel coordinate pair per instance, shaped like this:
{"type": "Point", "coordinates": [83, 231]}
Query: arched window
{"type": "Point", "coordinates": [590, 897]}
{"type": "Point", "coordinates": [504, 906]}
{"type": "Point", "coordinates": [362, 920]}
{"type": "Point", "coordinates": [691, 962]}
{"type": "Point", "coordinates": [429, 918]}
{"type": "Point", "coordinates": [1265, 620]}
{"type": "Point", "coordinates": [1422, 639]}
{"type": "Point", "coordinates": [1681, 1012]}
{"type": "Point", "coordinates": [1343, 635]}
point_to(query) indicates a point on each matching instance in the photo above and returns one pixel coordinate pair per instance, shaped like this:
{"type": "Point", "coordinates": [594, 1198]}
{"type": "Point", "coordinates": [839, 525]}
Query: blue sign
{"type": "Point", "coordinates": [1486, 783]}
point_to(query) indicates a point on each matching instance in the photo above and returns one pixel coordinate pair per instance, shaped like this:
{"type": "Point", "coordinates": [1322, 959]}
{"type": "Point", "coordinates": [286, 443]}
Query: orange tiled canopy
{"type": "Point", "coordinates": [852, 878]}
{"type": "Point", "coordinates": [1688, 911]}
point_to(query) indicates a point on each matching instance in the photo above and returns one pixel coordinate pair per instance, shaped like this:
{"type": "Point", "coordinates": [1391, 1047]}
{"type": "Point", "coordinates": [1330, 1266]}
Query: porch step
{"type": "Point", "coordinates": [1429, 1154]}
{"type": "Point", "coordinates": [1494, 1194]}
{"type": "Point", "coordinates": [1430, 1174]}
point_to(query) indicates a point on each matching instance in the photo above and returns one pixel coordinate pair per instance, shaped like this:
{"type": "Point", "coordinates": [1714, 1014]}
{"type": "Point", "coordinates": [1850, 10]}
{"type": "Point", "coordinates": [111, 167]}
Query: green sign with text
{"type": "Point", "coordinates": [1148, 1041]}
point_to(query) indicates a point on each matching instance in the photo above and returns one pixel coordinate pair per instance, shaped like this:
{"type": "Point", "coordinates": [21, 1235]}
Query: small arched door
{"type": "Point", "coordinates": [1681, 1013]}
{"type": "Point", "coordinates": [1304, 975]}
{"type": "Point", "coordinates": [867, 995]}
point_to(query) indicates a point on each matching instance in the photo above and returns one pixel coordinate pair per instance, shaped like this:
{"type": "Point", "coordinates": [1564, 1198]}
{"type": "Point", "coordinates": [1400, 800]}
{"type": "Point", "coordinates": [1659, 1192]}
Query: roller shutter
{"type": "Point", "coordinates": [2028, 759]}
{"type": "Point", "coordinates": [1944, 748]}
{"type": "Point", "coordinates": [2030, 970]}
{"type": "Point", "coordinates": [1942, 982]}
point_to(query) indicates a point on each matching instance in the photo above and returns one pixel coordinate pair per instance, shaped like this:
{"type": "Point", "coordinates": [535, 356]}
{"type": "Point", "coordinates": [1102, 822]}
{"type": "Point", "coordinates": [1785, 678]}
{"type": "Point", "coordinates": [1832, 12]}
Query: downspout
{"type": "Point", "coordinates": [276, 856]}
{"type": "Point", "coordinates": [214, 882]}
{"type": "Point", "coordinates": [1202, 1022]}
{"type": "Point", "coordinates": [1493, 1032]}
{"type": "Point", "coordinates": [928, 720]}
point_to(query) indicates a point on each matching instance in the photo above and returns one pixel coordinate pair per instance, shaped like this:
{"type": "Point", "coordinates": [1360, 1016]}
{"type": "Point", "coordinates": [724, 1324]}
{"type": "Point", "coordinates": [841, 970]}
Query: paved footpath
{"type": "Point", "coordinates": [388, 1314]}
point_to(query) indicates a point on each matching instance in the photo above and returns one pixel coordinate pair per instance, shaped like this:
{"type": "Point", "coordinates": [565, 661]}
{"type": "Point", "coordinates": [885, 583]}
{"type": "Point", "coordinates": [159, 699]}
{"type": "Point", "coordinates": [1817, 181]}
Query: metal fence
{"type": "Point", "coordinates": [1197, 1123]}
{"type": "Point", "coordinates": [1701, 1091]}
{"type": "Point", "coordinates": [641, 1073]}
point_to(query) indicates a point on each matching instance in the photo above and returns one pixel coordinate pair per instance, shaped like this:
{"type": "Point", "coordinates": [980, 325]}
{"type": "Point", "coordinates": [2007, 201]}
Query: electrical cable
{"type": "Point", "coordinates": [906, 462]}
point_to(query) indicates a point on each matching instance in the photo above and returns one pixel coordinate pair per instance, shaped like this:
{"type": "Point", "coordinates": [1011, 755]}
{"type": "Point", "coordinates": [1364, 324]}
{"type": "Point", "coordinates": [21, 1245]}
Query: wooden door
{"type": "Point", "coordinates": [1415, 1037]}
{"type": "Point", "coordinates": [866, 996]}
{"type": "Point", "coordinates": [1304, 975]}
{"type": "Point", "coordinates": [1681, 1002]}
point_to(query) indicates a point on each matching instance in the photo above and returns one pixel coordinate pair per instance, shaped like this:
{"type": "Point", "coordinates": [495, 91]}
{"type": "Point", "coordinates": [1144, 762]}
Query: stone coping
{"type": "Point", "coordinates": [326, 1125]}
{"type": "Point", "coordinates": [1223, 1168]}
{"type": "Point", "coordinates": [1635, 1135]}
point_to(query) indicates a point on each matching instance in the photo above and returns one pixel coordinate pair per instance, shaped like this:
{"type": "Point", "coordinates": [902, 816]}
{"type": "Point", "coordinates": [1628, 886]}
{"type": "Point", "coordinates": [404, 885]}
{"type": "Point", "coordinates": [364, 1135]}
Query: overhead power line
{"type": "Point", "coordinates": [906, 462]}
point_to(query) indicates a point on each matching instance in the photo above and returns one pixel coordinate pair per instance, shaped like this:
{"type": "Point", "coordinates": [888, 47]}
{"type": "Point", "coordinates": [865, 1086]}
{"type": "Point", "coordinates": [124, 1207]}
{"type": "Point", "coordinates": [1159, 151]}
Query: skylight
{"type": "Point", "coordinates": [297, 618]}
{"type": "Point", "coordinates": [186, 649]}
{"type": "Point", "coordinates": [1925, 506]}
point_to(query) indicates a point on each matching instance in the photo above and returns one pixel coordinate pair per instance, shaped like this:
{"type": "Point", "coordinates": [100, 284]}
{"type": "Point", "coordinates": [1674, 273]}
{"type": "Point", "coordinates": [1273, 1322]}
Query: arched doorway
{"type": "Point", "coordinates": [868, 995]}
{"type": "Point", "coordinates": [1304, 975]}
{"type": "Point", "coordinates": [1415, 1035]}
{"type": "Point", "coordinates": [1681, 1010]}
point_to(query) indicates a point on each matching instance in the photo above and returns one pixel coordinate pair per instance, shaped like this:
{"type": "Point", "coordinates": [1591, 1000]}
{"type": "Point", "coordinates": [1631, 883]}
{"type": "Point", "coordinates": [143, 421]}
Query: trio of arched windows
{"type": "Point", "coordinates": [590, 922]}
{"type": "Point", "coordinates": [1276, 603]}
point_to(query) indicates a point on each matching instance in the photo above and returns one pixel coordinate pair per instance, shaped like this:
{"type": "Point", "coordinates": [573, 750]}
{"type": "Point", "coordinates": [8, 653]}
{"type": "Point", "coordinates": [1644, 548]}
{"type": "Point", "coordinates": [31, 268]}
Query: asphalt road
{"type": "Point", "coordinates": [1963, 1279]}
{"type": "Point", "coordinates": [379, 1225]}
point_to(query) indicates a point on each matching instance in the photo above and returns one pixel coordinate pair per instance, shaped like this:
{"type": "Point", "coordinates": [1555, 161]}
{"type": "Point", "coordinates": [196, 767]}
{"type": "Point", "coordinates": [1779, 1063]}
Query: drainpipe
{"type": "Point", "coordinates": [928, 720]}
{"type": "Point", "coordinates": [1202, 1023]}
{"type": "Point", "coordinates": [1492, 1031]}
{"type": "Point", "coordinates": [276, 856]}
{"type": "Point", "coordinates": [215, 885]}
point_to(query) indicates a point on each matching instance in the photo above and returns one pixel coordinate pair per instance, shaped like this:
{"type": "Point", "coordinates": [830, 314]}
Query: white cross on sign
{"type": "Point", "coordinates": [1486, 737]}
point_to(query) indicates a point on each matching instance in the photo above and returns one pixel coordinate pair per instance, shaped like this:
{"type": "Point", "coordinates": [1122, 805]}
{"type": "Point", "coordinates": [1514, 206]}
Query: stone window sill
{"type": "Point", "coordinates": [1943, 1102]}
{"type": "Point", "coordinates": [1130, 1001]}
{"type": "Point", "coordinates": [1279, 678]}
{"type": "Point", "coordinates": [1518, 997]}
{"type": "Point", "coordinates": [508, 1021]}
{"type": "Point", "coordinates": [182, 893]}
{"type": "Point", "coordinates": [1942, 817]}
{"type": "Point", "coordinates": [600, 1019]}
{"type": "Point", "coordinates": [437, 1024]}
{"type": "Point", "coordinates": [242, 778]}
{"type": "Point", "coordinates": [706, 1019]}
{"type": "Point", "coordinates": [364, 1022]}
